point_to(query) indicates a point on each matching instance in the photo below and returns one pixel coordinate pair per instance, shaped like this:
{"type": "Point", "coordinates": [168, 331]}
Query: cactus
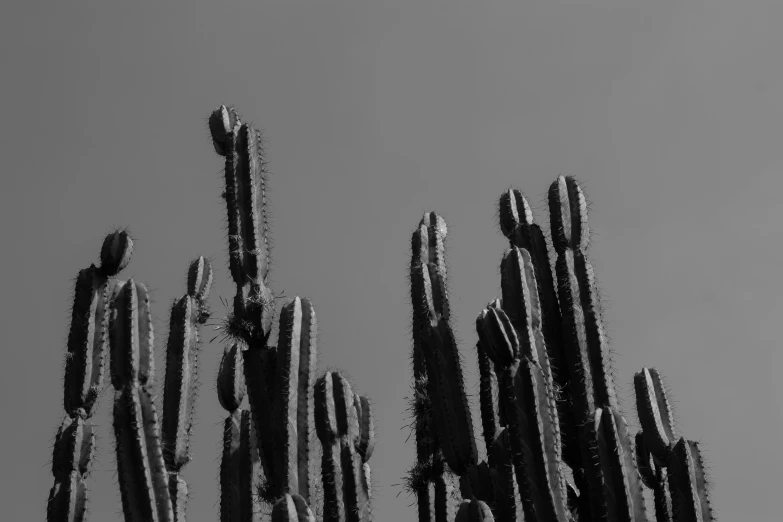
{"type": "Point", "coordinates": [84, 374]}
{"type": "Point", "coordinates": [268, 447]}
{"type": "Point", "coordinates": [672, 467]}
{"type": "Point", "coordinates": [548, 404]}
{"type": "Point", "coordinates": [558, 447]}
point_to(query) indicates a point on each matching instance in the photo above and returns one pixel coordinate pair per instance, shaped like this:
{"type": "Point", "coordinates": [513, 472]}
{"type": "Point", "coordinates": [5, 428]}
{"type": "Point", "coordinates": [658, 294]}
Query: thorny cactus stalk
{"type": "Point", "coordinates": [672, 467]}
{"type": "Point", "coordinates": [268, 447]}
{"type": "Point", "coordinates": [179, 393]}
{"type": "Point", "coordinates": [548, 405]}
{"type": "Point", "coordinates": [84, 374]}
{"type": "Point", "coordinates": [268, 451]}
{"type": "Point", "coordinates": [151, 453]}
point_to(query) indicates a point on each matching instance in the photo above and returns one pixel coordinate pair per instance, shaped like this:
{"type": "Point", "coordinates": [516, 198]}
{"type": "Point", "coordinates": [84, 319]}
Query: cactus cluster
{"type": "Point", "coordinates": [269, 446]}
{"type": "Point", "coordinates": [558, 447]}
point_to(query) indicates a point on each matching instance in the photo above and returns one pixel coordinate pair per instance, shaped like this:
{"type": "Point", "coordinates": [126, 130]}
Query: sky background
{"type": "Point", "coordinates": [669, 112]}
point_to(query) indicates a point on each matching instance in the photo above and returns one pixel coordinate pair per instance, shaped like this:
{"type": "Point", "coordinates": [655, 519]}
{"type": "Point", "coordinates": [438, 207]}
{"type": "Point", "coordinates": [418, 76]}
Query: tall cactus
{"type": "Point", "coordinates": [268, 448]}
{"type": "Point", "coordinates": [547, 400]}
{"type": "Point", "coordinates": [280, 379]}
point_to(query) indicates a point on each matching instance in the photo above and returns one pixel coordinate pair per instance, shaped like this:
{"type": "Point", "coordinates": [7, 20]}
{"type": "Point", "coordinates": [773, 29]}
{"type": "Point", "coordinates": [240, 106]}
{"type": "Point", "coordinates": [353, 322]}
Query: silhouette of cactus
{"type": "Point", "coordinates": [558, 447]}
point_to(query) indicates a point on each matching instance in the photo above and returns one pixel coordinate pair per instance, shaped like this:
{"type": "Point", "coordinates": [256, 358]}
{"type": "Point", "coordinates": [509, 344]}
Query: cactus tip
{"type": "Point", "coordinates": [222, 122]}
{"type": "Point", "coordinates": [116, 252]}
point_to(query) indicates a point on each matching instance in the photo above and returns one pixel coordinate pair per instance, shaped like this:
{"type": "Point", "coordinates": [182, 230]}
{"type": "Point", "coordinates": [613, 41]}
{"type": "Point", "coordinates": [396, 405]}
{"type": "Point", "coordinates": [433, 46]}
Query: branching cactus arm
{"type": "Point", "coordinates": [141, 469]}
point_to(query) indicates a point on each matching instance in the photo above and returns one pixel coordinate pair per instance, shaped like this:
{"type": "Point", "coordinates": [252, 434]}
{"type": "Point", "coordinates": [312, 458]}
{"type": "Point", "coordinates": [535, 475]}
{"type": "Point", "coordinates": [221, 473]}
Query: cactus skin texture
{"type": "Point", "coordinates": [558, 446]}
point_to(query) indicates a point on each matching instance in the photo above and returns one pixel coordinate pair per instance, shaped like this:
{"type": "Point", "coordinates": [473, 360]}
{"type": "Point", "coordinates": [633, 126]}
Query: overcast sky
{"type": "Point", "coordinates": [669, 112]}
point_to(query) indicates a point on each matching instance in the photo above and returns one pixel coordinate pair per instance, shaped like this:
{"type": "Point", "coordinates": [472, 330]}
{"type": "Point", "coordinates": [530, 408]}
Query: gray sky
{"type": "Point", "coordinates": [669, 112]}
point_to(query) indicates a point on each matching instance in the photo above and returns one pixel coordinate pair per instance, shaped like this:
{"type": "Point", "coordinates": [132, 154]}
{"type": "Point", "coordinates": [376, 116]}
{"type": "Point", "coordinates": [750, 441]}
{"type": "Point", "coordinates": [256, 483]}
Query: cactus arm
{"type": "Point", "coordinates": [240, 478]}
{"type": "Point", "coordinates": [622, 481]}
{"type": "Point", "coordinates": [366, 443]}
{"type": "Point", "coordinates": [73, 452]}
{"type": "Point", "coordinates": [345, 477]}
{"type": "Point", "coordinates": [179, 391]}
{"type": "Point", "coordinates": [516, 223]}
{"type": "Point", "coordinates": [655, 414]}
{"type": "Point", "coordinates": [532, 438]}
{"type": "Point", "coordinates": [654, 477]}
{"type": "Point", "coordinates": [527, 390]}
{"type": "Point", "coordinates": [328, 430]}
{"type": "Point", "coordinates": [296, 362]}
{"type": "Point", "coordinates": [687, 483]}
{"type": "Point", "coordinates": [85, 358]}
{"type": "Point", "coordinates": [250, 470]}
{"type": "Point", "coordinates": [230, 469]}
{"type": "Point", "coordinates": [424, 431]}
{"type": "Point", "coordinates": [592, 387]}
{"type": "Point", "coordinates": [259, 365]}
{"type": "Point", "coordinates": [504, 483]}
{"type": "Point", "coordinates": [688, 489]}
{"type": "Point", "coordinates": [248, 229]}
{"type": "Point", "coordinates": [431, 325]}
{"type": "Point", "coordinates": [230, 384]}
{"type": "Point", "coordinates": [292, 508]}
{"type": "Point", "coordinates": [84, 374]}
{"type": "Point", "coordinates": [474, 510]}
{"type": "Point", "coordinates": [141, 470]}
{"type": "Point", "coordinates": [488, 395]}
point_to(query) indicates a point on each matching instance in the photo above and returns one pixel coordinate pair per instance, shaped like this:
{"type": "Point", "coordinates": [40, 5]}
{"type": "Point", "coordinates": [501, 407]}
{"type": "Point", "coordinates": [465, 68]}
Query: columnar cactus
{"type": "Point", "coordinates": [268, 447]}
{"type": "Point", "coordinates": [345, 432]}
{"type": "Point", "coordinates": [84, 373]}
{"type": "Point", "coordinates": [144, 484]}
{"type": "Point", "coordinates": [662, 455]}
{"type": "Point", "coordinates": [280, 379]}
{"type": "Point", "coordinates": [548, 404]}
{"type": "Point", "coordinates": [179, 393]}
{"type": "Point", "coordinates": [558, 446]}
